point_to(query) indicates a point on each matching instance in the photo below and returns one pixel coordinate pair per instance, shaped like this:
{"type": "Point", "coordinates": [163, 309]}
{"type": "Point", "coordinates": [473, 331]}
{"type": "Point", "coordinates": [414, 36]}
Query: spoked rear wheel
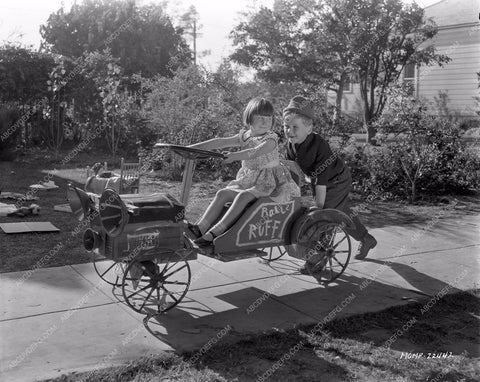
{"type": "Point", "coordinates": [328, 247]}
{"type": "Point", "coordinates": [153, 287]}
{"type": "Point", "coordinates": [273, 253]}
{"type": "Point", "coordinates": [110, 272]}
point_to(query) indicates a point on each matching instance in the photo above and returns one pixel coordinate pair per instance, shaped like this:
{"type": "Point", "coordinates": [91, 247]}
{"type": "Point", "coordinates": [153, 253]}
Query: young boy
{"type": "Point", "coordinates": [331, 179]}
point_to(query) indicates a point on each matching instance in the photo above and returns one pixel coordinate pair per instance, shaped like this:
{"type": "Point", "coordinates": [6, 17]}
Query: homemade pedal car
{"type": "Point", "coordinates": [147, 238]}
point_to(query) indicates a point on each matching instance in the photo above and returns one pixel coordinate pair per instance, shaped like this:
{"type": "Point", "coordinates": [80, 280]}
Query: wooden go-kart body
{"type": "Point", "coordinates": [147, 239]}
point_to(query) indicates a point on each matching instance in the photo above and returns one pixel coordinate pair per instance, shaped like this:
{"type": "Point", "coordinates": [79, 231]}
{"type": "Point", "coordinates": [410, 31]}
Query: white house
{"type": "Point", "coordinates": [459, 38]}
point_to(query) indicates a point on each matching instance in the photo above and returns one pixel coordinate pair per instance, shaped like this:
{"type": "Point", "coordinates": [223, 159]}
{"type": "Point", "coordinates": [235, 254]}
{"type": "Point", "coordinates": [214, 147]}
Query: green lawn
{"type": "Point", "coordinates": [25, 251]}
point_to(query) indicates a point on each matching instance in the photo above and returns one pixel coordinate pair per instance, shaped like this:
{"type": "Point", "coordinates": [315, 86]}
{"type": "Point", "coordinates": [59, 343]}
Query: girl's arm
{"type": "Point", "coordinates": [218, 143]}
{"type": "Point", "coordinates": [255, 152]}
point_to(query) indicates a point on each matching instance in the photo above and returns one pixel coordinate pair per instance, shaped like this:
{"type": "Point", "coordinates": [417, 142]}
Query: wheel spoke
{"type": "Point", "coordinates": [179, 269]}
{"type": "Point", "coordinates": [169, 293]}
{"type": "Point", "coordinates": [175, 282]}
{"type": "Point", "coordinates": [166, 267]}
{"type": "Point", "coordinates": [332, 237]}
{"type": "Point", "coordinates": [110, 267]}
{"type": "Point", "coordinates": [138, 291]}
{"type": "Point", "coordinates": [336, 245]}
{"type": "Point", "coordinates": [338, 262]}
{"type": "Point", "coordinates": [146, 298]}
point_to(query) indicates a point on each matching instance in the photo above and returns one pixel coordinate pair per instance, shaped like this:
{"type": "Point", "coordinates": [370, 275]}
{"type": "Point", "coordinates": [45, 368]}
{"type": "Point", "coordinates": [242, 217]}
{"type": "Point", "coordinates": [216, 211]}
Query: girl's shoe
{"type": "Point", "coordinates": [202, 242]}
{"type": "Point", "coordinates": [193, 228]}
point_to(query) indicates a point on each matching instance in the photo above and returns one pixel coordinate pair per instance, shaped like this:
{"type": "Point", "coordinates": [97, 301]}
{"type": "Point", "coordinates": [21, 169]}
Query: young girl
{"type": "Point", "coordinates": [261, 173]}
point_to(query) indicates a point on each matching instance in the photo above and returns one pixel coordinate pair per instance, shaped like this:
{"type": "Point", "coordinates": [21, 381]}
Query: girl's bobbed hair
{"type": "Point", "coordinates": [257, 106]}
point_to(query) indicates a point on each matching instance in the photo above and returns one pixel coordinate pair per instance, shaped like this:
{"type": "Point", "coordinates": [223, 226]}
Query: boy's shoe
{"type": "Point", "coordinates": [365, 245]}
{"type": "Point", "coordinates": [193, 228]}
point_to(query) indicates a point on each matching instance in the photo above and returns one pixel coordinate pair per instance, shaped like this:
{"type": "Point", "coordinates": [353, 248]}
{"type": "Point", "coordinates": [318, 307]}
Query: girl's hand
{"type": "Point", "coordinates": [229, 157]}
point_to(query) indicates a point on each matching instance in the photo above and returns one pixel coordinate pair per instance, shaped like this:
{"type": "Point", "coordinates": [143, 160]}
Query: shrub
{"type": "Point", "coordinates": [420, 152]}
{"type": "Point", "coordinates": [9, 132]}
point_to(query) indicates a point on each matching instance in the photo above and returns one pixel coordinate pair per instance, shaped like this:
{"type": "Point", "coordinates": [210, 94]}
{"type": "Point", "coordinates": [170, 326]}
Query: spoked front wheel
{"type": "Point", "coordinates": [110, 272]}
{"type": "Point", "coordinates": [154, 287]}
{"type": "Point", "coordinates": [327, 248]}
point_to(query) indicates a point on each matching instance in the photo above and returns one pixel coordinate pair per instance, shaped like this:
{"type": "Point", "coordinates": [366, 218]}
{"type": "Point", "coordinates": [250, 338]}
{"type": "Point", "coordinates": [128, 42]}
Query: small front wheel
{"type": "Point", "coordinates": [153, 287]}
{"type": "Point", "coordinates": [109, 271]}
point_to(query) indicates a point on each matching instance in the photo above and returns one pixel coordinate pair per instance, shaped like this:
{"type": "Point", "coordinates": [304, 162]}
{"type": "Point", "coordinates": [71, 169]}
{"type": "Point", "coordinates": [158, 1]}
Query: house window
{"type": "Point", "coordinates": [410, 78]}
{"type": "Point", "coordinates": [347, 86]}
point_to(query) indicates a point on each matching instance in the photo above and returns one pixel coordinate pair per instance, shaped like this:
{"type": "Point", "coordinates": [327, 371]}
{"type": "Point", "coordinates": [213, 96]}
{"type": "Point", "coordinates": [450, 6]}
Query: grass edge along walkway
{"type": "Point", "coordinates": [345, 349]}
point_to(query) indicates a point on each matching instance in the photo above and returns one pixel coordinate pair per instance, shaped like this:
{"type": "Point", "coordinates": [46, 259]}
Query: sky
{"type": "Point", "coordinates": [20, 21]}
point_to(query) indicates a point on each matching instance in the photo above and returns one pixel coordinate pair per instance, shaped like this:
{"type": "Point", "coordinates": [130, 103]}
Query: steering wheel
{"type": "Point", "coordinates": [190, 152]}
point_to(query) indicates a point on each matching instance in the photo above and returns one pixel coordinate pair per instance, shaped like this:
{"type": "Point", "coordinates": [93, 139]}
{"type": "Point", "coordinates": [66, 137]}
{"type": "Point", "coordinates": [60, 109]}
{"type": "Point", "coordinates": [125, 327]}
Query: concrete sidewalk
{"type": "Point", "coordinates": [67, 319]}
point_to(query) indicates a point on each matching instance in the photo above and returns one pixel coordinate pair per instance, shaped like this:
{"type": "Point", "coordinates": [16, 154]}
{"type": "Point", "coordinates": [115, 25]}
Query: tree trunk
{"type": "Point", "coordinates": [367, 115]}
{"type": "Point", "coordinates": [338, 100]}
{"type": "Point", "coordinates": [414, 191]}
{"type": "Point", "coordinates": [371, 131]}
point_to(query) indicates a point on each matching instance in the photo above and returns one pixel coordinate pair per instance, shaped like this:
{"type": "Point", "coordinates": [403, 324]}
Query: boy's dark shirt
{"type": "Point", "coordinates": [316, 159]}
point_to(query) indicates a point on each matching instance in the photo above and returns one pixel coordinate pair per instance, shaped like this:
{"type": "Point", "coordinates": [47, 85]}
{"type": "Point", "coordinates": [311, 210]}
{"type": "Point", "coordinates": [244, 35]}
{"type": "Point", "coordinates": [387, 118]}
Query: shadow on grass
{"type": "Point", "coordinates": [380, 214]}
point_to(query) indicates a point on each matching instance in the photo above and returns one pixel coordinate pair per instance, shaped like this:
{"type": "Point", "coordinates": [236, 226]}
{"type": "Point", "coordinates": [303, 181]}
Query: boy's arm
{"type": "Point", "coordinates": [320, 195]}
{"type": "Point", "coordinates": [323, 161]}
{"type": "Point", "coordinates": [217, 143]}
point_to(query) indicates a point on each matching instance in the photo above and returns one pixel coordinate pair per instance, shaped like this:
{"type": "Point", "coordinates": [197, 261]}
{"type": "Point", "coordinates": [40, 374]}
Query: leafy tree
{"type": "Point", "coordinates": [274, 42]}
{"type": "Point", "coordinates": [23, 74]}
{"type": "Point", "coordinates": [23, 82]}
{"type": "Point", "coordinates": [142, 37]}
{"type": "Point", "coordinates": [8, 133]}
{"type": "Point", "coordinates": [295, 41]}
{"type": "Point", "coordinates": [332, 41]}
{"type": "Point", "coordinates": [389, 35]}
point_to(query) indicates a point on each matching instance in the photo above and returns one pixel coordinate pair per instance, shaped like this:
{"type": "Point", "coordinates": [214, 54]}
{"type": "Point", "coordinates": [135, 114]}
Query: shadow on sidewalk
{"type": "Point", "coordinates": [428, 285]}
{"type": "Point", "coordinates": [193, 323]}
{"type": "Point", "coordinates": [371, 317]}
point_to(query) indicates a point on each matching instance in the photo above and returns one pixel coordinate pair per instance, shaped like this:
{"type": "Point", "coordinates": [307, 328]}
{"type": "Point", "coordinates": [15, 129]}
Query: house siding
{"type": "Point", "coordinates": [458, 38]}
{"type": "Point", "coordinates": [458, 78]}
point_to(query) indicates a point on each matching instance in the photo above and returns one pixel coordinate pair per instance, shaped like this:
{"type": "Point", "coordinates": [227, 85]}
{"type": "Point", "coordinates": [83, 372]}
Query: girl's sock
{"type": "Point", "coordinates": [209, 236]}
{"type": "Point", "coordinates": [202, 226]}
